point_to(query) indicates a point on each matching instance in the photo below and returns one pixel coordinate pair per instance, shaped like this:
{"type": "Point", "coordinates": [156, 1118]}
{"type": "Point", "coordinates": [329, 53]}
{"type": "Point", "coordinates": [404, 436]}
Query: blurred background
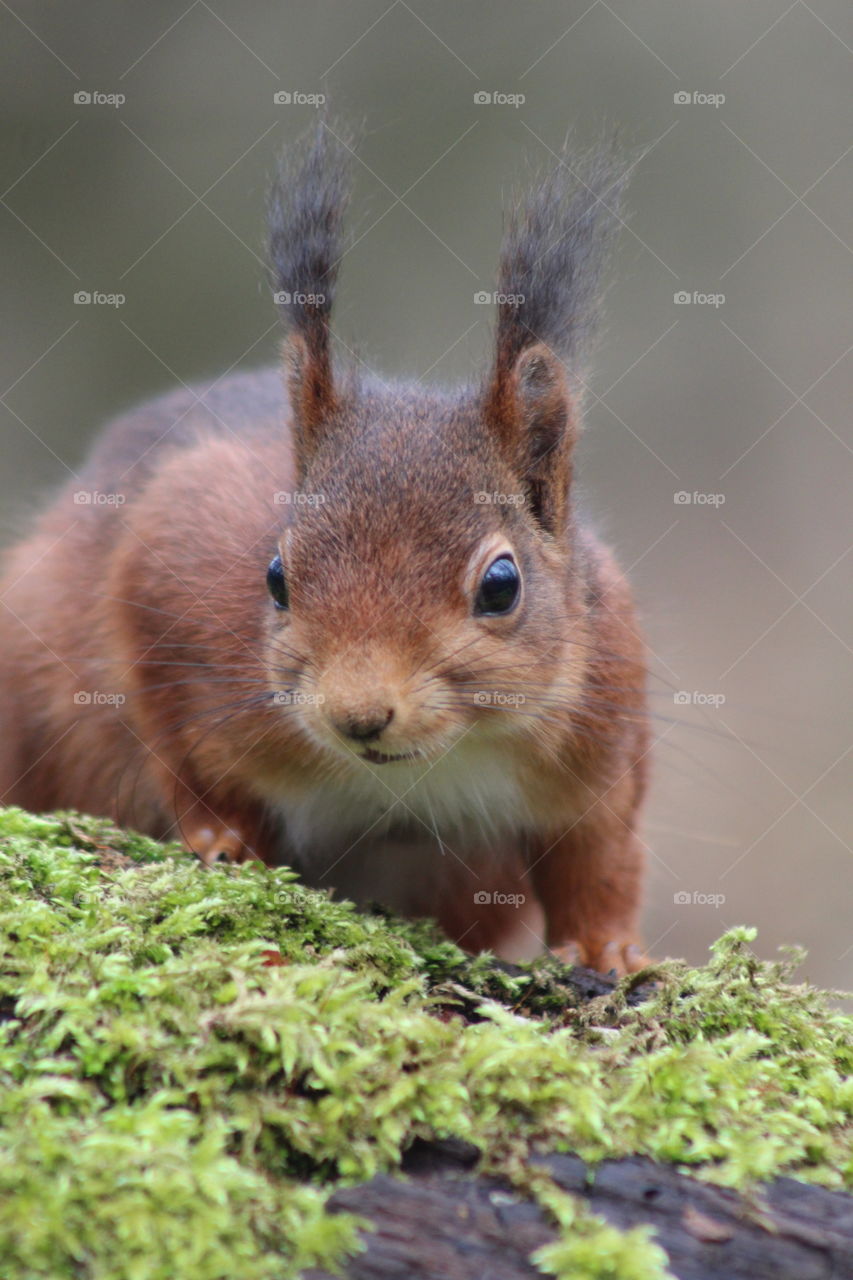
{"type": "Point", "coordinates": [137, 141]}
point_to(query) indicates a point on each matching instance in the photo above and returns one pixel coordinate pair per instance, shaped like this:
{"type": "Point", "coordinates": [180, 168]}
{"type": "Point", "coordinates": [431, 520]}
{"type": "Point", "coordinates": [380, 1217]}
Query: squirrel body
{"type": "Point", "coordinates": [436, 701]}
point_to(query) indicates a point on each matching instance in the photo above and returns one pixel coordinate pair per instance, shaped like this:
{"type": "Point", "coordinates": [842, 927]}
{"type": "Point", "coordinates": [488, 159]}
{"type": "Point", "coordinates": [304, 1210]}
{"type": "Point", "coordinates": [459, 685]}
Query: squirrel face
{"type": "Point", "coordinates": [416, 586]}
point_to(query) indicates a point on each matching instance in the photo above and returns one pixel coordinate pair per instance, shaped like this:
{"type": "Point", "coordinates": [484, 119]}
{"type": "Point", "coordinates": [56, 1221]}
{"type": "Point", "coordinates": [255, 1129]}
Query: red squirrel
{"type": "Point", "coordinates": [356, 628]}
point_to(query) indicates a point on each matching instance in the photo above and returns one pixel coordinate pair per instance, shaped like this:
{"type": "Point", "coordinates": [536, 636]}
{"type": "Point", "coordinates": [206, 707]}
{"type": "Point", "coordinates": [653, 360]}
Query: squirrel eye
{"type": "Point", "coordinates": [499, 587]}
{"type": "Point", "coordinates": [277, 583]}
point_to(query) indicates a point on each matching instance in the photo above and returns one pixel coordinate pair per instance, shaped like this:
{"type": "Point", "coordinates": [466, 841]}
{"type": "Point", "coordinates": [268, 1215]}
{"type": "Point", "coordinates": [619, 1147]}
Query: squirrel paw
{"type": "Point", "coordinates": [605, 957]}
{"type": "Point", "coordinates": [220, 843]}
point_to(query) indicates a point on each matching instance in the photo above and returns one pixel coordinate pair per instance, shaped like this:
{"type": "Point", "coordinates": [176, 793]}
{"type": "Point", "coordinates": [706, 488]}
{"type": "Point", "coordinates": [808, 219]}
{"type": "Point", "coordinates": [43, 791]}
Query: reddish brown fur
{"type": "Point", "coordinates": [234, 726]}
{"type": "Point", "coordinates": [120, 599]}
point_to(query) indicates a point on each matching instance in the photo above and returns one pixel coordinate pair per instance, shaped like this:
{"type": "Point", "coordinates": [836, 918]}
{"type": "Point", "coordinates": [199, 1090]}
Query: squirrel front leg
{"type": "Point", "coordinates": [588, 881]}
{"type": "Point", "coordinates": [213, 827]}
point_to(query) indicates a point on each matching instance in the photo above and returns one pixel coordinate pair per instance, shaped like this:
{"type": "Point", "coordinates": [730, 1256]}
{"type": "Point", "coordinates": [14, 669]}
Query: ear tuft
{"type": "Point", "coordinates": [549, 277]}
{"type": "Point", "coordinates": [306, 208]}
{"type": "Point", "coordinates": [555, 247]}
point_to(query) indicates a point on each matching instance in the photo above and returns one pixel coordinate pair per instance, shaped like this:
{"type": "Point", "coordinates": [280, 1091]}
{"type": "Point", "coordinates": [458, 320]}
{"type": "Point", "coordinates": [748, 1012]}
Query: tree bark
{"type": "Point", "coordinates": [440, 1222]}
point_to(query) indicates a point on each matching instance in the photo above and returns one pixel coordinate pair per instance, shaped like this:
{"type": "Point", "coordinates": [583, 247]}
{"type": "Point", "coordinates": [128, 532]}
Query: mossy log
{"type": "Point", "coordinates": [222, 1075]}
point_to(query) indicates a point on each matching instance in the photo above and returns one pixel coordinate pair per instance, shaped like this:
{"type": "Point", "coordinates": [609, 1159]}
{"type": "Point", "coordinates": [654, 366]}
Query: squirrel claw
{"type": "Point", "coordinates": [635, 958]}
{"type": "Point", "coordinates": [569, 953]}
{"type": "Point", "coordinates": [611, 956]}
{"type": "Point", "coordinates": [220, 844]}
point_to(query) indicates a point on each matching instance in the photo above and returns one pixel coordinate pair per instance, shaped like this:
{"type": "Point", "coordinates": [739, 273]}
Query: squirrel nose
{"type": "Point", "coordinates": [365, 726]}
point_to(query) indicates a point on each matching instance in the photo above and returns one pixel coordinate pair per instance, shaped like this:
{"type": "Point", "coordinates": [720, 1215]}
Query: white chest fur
{"type": "Point", "coordinates": [471, 794]}
{"type": "Point", "coordinates": [405, 834]}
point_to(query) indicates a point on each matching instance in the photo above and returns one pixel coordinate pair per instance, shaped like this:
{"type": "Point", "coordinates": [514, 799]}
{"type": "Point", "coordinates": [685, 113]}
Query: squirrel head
{"type": "Point", "coordinates": [430, 583]}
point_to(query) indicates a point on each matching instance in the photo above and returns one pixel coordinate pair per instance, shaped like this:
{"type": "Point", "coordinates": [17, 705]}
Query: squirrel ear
{"type": "Point", "coordinates": [311, 389]}
{"type": "Point", "coordinates": [532, 413]}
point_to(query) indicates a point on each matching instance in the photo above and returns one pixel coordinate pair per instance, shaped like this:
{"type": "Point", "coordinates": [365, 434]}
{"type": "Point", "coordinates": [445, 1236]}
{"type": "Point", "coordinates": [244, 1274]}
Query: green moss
{"type": "Point", "coordinates": [150, 1192]}
{"type": "Point", "coordinates": [589, 1248]}
{"type": "Point", "coordinates": [175, 1103]}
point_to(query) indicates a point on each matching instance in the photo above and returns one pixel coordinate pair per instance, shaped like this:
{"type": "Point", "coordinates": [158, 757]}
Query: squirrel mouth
{"type": "Point", "coordinates": [379, 757]}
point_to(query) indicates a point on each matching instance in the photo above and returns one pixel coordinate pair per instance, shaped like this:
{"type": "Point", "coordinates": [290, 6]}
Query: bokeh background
{"type": "Point", "coordinates": [741, 395]}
